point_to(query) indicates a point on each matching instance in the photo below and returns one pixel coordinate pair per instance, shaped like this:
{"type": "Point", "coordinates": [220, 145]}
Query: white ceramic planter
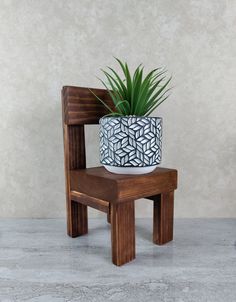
{"type": "Point", "coordinates": [130, 144]}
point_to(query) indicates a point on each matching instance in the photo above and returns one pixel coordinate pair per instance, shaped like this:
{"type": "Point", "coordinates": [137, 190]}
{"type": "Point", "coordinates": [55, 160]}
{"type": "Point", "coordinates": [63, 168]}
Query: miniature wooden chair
{"type": "Point", "coordinates": [111, 193]}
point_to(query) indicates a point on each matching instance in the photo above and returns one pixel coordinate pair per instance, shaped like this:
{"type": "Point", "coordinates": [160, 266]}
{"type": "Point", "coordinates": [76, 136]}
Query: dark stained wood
{"type": "Point", "coordinates": [163, 218]}
{"type": "Point", "coordinates": [97, 187]}
{"type": "Point", "coordinates": [76, 142]}
{"type": "Point", "coordinates": [119, 188]}
{"type": "Point", "coordinates": [123, 232]}
{"type": "Point", "coordinates": [93, 202]}
{"type": "Point", "coordinates": [82, 107]}
{"type": "Point", "coordinates": [78, 219]}
{"type": "Point", "coordinates": [109, 215]}
{"type": "Point", "coordinates": [113, 194]}
{"type": "Point", "coordinates": [74, 158]}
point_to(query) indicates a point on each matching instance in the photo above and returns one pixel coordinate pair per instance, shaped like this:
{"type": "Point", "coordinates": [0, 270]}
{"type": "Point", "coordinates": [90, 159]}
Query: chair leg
{"type": "Point", "coordinates": [77, 219]}
{"type": "Point", "coordinates": [163, 218]}
{"type": "Point", "coordinates": [122, 232]}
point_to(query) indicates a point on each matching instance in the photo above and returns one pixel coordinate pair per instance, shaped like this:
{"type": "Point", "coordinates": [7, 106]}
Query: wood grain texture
{"type": "Point", "coordinates": [76, 142]}
{"type": "Point", "coordinates": [93, 202]}
{"type": "Point", "coordinates": [163, 218]}
{"type": "Point", "coordinates": [82, 107]}
{"type": "Point", "coordinates": [119, 188]}
{"type": "Point", "coordinates": [78, 219]}
{"type": "Point", "coordinates": [123, 232]}
{"type": "Point", "coordinates": [74, 158]}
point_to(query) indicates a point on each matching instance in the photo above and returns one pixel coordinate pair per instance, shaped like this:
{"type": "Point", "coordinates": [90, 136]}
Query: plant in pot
{"type": "Point", "coordinates": [130, 139]}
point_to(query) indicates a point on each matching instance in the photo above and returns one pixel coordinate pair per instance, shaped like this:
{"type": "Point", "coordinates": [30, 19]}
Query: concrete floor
{"type": "Point", "coordinates": [39, 263]}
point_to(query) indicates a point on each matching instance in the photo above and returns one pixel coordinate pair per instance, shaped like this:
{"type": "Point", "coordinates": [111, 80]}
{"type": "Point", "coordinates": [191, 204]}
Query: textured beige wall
{"type": "Point", "coordinates": [46, 44]}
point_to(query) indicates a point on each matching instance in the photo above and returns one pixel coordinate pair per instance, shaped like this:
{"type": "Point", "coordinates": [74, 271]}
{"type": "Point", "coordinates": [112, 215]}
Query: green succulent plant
{"type": "Point", "coordinates": [135, 94]}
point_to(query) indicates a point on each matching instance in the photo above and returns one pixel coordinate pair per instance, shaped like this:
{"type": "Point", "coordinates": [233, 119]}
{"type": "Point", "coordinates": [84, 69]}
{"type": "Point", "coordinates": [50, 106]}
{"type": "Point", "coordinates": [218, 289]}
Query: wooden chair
{"type": "Point", "coordinates": [111, 193]}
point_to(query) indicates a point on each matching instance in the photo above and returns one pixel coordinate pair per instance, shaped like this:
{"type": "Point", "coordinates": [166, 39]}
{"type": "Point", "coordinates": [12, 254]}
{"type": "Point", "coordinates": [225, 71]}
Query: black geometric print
{"type": "Point", "coordinates": [130, 141]}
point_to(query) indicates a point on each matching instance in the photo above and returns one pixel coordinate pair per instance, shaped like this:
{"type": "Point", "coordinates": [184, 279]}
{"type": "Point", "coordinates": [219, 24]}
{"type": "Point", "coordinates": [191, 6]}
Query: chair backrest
{"type": "Point", "coordinates": [80, 107]}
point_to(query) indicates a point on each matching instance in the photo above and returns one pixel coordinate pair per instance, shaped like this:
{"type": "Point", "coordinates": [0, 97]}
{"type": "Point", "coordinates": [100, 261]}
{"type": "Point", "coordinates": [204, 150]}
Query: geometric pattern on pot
{"type": "Point", "coordinates": [130, 141]}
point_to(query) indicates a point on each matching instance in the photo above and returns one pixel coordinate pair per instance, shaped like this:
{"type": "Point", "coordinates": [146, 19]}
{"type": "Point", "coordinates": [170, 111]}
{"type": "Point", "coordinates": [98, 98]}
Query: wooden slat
{"type": "Point", "coordinates": [95, 203]}
{"type": "Point", "coordinates": [82, 107]}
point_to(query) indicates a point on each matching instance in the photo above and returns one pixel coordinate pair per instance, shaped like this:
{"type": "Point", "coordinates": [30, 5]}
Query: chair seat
{"type": "Point", "coordinates": [99, 183]}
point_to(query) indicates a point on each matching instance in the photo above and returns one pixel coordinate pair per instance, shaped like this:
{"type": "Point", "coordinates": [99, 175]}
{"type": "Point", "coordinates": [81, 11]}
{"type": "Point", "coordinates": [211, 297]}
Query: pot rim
{"type": "Point", "coordinates": [131, 116]}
